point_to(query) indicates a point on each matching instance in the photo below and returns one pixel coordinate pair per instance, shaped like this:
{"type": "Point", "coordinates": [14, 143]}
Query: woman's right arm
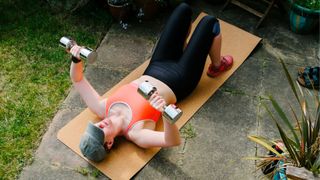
{"type": "Point", "coordinates": [93, 100]}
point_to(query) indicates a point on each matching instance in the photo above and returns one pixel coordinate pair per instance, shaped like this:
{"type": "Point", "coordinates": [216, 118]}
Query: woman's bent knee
{"type": "Point", "coordinates": [184, 10]}
{"type": "Point", "coordinates": [216, 28]}
{"type": "Point", "coordinates": [212, 23]}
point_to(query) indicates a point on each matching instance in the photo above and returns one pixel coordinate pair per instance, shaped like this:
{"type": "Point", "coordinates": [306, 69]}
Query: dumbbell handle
{"type": "Point", "coordinates": [85, 53]}
{"type": "Point", "coordinates": [171, 112]}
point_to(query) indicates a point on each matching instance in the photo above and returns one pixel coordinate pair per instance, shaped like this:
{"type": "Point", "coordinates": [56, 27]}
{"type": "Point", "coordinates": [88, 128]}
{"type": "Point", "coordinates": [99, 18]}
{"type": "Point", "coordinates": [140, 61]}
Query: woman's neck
{"type": "Point", "coordinates": [122, 118]}
{"type": "Point", "coordinates": [118, 124]}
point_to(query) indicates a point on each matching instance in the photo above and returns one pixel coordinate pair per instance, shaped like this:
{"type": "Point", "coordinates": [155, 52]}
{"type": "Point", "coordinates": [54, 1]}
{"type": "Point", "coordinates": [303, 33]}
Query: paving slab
{"type": "Point", "coordinates": [246, 80]}
{"type": "Point", "coordinates": [221, 125]}
{"type": "Point", "coordinates": [124, 52]}
{"type": "Point", "coordinates": [219, 146]}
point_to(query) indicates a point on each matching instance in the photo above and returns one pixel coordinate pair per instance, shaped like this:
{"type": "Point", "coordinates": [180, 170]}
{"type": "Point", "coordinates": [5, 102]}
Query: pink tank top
{"type": "Point", "coordinates": [140, 107]}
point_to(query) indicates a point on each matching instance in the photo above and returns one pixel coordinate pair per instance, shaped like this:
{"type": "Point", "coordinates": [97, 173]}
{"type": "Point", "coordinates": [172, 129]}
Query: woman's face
{"type": "Point", "coordinates": [107, 128]}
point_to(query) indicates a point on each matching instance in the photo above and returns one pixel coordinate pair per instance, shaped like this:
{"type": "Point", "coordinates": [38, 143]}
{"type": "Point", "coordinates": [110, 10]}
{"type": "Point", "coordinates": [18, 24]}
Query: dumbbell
{"type": "Point", "coordinates": [171, 112]}
{"type": "Point", "coordinates": [85, 53]}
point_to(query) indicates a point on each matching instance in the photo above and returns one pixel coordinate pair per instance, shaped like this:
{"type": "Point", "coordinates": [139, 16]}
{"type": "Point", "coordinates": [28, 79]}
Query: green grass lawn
{"type": "Point", "coordinates": [34, 72]}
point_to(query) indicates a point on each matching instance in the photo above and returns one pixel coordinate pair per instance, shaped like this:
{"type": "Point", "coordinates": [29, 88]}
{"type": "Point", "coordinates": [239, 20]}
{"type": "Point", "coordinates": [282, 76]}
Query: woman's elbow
{"type": "Point", "coordinates": [176, 142]}
{"type": "Point", "coordinates": [75, 77]}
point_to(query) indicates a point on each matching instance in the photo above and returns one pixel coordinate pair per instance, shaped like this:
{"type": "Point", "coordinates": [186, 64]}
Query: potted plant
{"type": "Point", "coordinates": [304, 15]}
{"type": "Point", "coordinates": [297, 153]}
{"type": "Point", "coordinates": [120, 9]}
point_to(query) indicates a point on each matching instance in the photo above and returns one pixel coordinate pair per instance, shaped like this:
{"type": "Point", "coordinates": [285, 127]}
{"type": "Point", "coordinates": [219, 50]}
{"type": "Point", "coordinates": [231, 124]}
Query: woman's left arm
{"type": "Point", "coordinates": [150, 138]}
{"type": "Point", "coordinates": [147, 138]}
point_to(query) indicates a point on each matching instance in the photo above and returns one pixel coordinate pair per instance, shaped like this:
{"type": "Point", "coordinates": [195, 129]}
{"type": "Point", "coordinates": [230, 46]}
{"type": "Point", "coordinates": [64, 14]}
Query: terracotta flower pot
{"type": "Point", "coordinates": [120, 12]}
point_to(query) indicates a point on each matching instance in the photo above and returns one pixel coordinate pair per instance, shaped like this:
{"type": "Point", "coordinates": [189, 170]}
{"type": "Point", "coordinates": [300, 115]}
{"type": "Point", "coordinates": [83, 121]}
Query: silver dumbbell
{"type": "Point", "coordinates": [85, 53]}
{"type": "Point", "coordinates": [171, 112]}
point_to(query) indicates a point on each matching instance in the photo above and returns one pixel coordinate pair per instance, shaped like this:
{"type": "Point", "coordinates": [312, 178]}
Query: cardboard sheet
{"type": "Point", "coordinates": [125, 158]}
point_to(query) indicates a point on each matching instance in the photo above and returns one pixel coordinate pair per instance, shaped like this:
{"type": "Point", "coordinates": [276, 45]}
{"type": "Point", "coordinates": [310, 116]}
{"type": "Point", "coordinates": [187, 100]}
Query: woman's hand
{"type": "Point", "coordinates": [157, 101]}
{"type": "Point", "coordinates": [75, 51]}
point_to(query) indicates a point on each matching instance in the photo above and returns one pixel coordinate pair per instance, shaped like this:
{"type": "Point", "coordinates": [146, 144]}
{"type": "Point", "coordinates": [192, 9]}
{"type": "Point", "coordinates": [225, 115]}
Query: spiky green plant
{"type": "Point", "coordinates": [299, 132]}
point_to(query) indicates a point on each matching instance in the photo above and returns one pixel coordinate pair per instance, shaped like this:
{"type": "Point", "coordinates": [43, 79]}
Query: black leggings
{"type": "Point", "coordinates": [180, 68]}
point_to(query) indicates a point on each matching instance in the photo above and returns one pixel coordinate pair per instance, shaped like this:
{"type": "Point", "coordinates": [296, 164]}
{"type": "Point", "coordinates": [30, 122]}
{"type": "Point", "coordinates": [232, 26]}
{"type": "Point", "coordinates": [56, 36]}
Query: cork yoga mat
{"type": "Point", "coordinates": [125, 158]}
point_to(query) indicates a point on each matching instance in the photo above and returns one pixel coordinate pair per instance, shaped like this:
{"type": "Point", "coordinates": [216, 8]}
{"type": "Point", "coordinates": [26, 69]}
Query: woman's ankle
{"type": "Point", "coordinates": [216, 65]}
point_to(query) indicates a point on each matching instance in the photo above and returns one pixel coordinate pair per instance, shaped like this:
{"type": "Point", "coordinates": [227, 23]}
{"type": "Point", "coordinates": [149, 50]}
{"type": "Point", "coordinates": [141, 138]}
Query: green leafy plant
{"type": "Point", "coordinates": [188, 131]}
{"type": "Point", "coordinates": [87, 171]}
{"type": "Point", "coordinates": [299, 132]}
{"type": "Point", "coordinates": [310, 4]}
